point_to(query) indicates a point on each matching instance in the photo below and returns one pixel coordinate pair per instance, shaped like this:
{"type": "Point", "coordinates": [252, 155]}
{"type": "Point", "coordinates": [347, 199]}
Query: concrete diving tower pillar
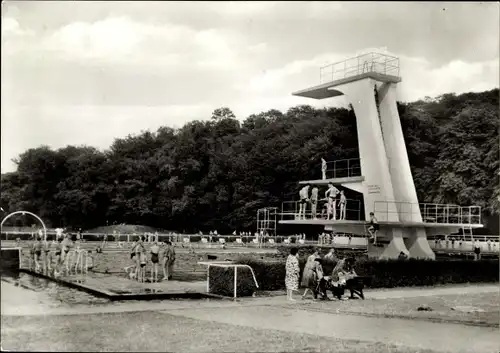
{"type": "Point", "coordinates": [369, 82]}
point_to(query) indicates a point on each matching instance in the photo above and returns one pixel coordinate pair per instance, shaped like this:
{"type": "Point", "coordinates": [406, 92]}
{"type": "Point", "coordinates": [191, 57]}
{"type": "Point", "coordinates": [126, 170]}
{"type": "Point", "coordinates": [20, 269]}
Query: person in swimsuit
{"type": "Point", "coordinates": [66, 255]}
{"type": "Point", "coordinates": [37, 250]}
{"type": "Point", "coordinates": [373, 228]}
{"type": "Point", "coordinates": [323, 169]}
{"type": "Point", "coordinates": [168, 261]}
{"type": "Point", "coordinates": [48, 256]}
{"type": "Point", "coordinates": [140, 258]}
{"type": "Point", "coordinates": [343, 204]}
{"type": "Point", "coordinates": [314, 201]}
{"type": "Point", "coordinates": [58, 252]}
{"type": "Point", "coordinates": [330, 195]}
{"type": "Point", "coordinates": [155, 259]}
{"type": "Point", "coordinates": [304, 199]}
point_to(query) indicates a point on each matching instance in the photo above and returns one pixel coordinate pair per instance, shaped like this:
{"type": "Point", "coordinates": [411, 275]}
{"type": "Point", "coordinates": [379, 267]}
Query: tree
{"type": "Point", "coordinates": [222, 113]}
{"type": "Point", "coordinates": [215, 174]}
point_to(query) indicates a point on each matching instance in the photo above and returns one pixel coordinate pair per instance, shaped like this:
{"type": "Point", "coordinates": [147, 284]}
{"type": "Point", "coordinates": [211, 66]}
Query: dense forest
{"type": "Point", "coordinates": [215, 173]}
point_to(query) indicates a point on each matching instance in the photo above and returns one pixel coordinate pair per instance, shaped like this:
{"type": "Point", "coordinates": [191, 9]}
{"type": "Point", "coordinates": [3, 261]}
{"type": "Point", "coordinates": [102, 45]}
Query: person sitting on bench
{"type": "Point", "coordinates": [320, 280]}
{"type": "Point", "coordinates": [373, 228]}
{"type": "Point", "coordinates": [338, 280]}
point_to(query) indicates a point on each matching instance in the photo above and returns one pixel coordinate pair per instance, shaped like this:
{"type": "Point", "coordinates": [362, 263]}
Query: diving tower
{"type": "Point", "coordinates": [382, 173]}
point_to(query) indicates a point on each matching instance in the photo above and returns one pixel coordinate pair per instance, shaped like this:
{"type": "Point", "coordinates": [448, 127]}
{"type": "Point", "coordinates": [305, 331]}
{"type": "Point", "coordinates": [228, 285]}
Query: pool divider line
{"type": "Point", "coordinates": [133, 296]}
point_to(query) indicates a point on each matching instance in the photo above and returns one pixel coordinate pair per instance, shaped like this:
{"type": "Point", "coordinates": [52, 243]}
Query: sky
{"type": "Point", "coordinates": [85, 73]}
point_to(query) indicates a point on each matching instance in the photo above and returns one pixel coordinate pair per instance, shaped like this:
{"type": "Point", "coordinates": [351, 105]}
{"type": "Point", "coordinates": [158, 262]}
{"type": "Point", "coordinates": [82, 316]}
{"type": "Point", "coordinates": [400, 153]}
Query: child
{"type": "Point", "coordinates": [48, 256]}
{"type": "Point", "coordinates": [314, 201]}
{"type": "Point", "coordinates": [373, 228]}
{"type": "Point", "coordinates": [155, 258]}
{"type": "Point", "coordinates": [138, 249]}
{"type": "Point", "coordinates": [343, 204]}
{"type": "Point", "coordinates": [37, 251]}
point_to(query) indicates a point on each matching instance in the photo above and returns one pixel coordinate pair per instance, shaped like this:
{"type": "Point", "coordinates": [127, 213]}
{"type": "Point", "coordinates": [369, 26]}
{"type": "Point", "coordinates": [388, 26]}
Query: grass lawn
{"type": "Point", "coordinates": [407, 308]}
{"type": "Point", "coordinates": [152, 331]}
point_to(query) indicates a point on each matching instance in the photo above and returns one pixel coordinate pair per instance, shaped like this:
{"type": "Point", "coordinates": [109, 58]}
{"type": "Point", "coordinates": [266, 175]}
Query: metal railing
{"type": "Point", "coordinates": [341, 168]}
{"type": "Point", "coordinates": [428, 212]}
{"type": "Point", "coordinates": [370, 62]}
{"type": "Point", "coordinates": [266, 219]}
{"type": "Point", "coordinates": [290, 210]}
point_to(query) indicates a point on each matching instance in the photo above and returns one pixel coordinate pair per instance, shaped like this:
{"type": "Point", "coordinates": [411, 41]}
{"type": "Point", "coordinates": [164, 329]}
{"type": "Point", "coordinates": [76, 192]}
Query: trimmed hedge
{"type": "Point", "coordinates": [222, 281]}
{"type": "Point", "coordinates": [306, 250]}
{"type": "Point", "coordinates": [390, 273]}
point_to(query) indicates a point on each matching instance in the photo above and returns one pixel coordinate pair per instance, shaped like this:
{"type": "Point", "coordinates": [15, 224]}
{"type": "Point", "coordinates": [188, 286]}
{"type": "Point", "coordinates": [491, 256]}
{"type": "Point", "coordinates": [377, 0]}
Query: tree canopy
{"type": "Point", "coordinates": [215, 173]}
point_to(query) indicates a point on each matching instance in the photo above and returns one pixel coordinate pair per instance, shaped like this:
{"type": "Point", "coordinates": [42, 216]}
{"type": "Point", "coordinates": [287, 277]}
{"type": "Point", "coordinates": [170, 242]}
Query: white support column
{"type": "Point", "coordinates": [372, 153]}
{"type": "Point", "coordinates": [399, 168]}
{"type": "Point", "coordinates": [395, 146]}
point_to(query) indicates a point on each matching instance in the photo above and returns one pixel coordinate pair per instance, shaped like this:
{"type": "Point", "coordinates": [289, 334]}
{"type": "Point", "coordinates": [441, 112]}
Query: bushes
{"type": "Point", "coordinates": [306, 250]}
{"type": "Point", "coordinates": [222, 281]}
{"type": "Point", "coordinates": [393, 273]}
{"type": "Point", "coordinates": [390, 273]}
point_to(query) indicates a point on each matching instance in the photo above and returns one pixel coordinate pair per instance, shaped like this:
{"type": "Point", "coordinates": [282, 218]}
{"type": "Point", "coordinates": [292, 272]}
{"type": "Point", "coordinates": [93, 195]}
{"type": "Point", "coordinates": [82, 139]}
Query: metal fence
{"type": "Point", "coordinates": [428, 212]}
{"type": "Point", "coordinates": [342, 168]}
{"type": "Point", "coordinates": [290, 210]}
{"type": "Point", "coordinates": [365, 63]}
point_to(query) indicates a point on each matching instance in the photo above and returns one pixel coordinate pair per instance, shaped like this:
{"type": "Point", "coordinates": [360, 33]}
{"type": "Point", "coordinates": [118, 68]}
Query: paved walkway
{"type": "Point", "coordinates": [278, 314]}
{"type": "Point", "coordinates": [16, 301]}
{"type": "Point", "coordinates": [394, 293]}
{"type": "Point", "coordinates": [418, 334]}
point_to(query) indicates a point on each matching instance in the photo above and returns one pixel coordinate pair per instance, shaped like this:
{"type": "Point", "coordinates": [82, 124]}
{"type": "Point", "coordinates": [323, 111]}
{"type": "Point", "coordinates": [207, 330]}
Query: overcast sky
{"type": "Point", "coordinates": [85, 73]}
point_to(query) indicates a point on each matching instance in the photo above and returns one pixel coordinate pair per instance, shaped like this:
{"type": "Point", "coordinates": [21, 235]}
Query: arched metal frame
{"type": "Point", "coordinates": [24, 213]}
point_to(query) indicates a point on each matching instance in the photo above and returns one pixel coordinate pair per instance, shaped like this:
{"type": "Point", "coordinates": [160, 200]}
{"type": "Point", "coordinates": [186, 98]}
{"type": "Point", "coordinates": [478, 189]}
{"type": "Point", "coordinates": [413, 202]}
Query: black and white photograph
{"type": "Point", "coordinates": [250, 176]}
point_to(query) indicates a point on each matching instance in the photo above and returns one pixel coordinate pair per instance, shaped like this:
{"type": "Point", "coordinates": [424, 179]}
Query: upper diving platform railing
{"type": "Point", "coordinates": [428, 212]}
{"type": "Point", "coordinates": [290, 210]}
{"type": "Point", "coordinates": [342, 168]}
{"type": "Point", "coordinates": [365, 63]}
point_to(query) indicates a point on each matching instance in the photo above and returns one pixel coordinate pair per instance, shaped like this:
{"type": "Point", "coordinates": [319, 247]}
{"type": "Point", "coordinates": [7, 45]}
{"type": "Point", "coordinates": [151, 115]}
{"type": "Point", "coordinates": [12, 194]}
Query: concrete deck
{"type": "Point", "coordinates": [346, 180]}
{"type": "Point", "coordinates": [114, 287]}
{"type": "Point", "coordinates": [382, 223]}
{"type": "Point", "coordinates": [326, 90]}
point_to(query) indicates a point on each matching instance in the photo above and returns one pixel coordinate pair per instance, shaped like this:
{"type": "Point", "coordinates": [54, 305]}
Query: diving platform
{"type": "Point", "coordinates": [347, 223]}
{"type": "Point", "coordinates": [377, 66]}
{"type": "Point", "coordinates": [382, 173]}
{"type": "Point", "coordinates": [337, 181]}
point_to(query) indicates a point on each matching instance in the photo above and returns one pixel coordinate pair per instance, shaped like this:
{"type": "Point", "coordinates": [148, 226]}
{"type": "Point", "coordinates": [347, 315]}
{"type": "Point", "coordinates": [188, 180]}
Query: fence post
{"type": "Point", "coordinates": [235, 280]}
{"type": "Point", "coordinates": [208, 279]}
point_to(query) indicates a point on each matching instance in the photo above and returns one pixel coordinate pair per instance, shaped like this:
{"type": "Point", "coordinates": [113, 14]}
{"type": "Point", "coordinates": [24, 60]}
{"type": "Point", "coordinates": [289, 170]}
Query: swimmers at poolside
{"type": "Point", "coordinates": [155, 259]}
{"type": "Point", "coordinates": [37, 252]}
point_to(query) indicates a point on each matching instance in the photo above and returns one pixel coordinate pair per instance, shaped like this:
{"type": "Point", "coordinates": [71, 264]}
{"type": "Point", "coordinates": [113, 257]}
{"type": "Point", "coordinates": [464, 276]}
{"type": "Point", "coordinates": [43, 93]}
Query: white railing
{"type": "Point", "coordinates": [342, 168]}
{"type": "Point", "coordinates": [266, 220]}
{"type": "Point", "coordinates": [226, 265]}
{"type": "Point", "coordinates": [428, 213]}
{"type": "Point", "coordinates": [290, 210]}
{"type": "Point", "coordinates": [370, 62]}
{"type": "Point", "coordinates": [458, 243]}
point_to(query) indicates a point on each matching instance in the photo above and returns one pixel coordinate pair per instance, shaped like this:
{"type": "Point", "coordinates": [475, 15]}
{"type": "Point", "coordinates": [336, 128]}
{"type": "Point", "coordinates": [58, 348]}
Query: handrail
{"type": "Point", "coordinates": [429, 212]}
{"type": "Point", "coordinates": [235, 266]}
{"type": "Point", "coordinates": [369, 62]}
{"type": "Point", "coordinates": [351, 165]}
{"type": "Point", "coordinates": [350, 209]}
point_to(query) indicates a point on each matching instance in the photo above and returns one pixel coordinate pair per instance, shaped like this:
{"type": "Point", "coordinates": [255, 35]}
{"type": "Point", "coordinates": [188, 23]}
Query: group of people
{"type": "Point", "coordinates": [60, 255]}
{"type": "Point", "coordinates": [158, 251]}
{"type": "Point", "coordinates": [329, 209]}
{"type": "Point", "coordinates": [320, 274]}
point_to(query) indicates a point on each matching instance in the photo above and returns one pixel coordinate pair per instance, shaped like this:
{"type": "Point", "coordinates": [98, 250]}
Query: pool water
{"type": "Point", "coordinates": [24, 289]}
